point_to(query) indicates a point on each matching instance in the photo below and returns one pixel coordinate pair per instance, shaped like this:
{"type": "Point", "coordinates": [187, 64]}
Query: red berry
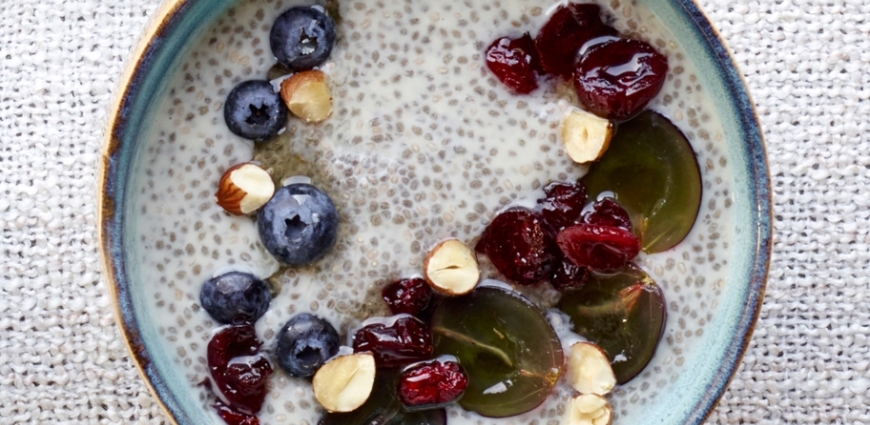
{"type": "Point", "coordinates": [567, 30]}
{"type": "Point", "coordinates": [519, 246]}
{"type": "Point", "coordinates": [569, 276]}
{"type": "Point", "coordinates": [616, 79]}
{"type": "Point", "coordinates": [405, 340]}
{"type": "Point", "coordinates": [431, 384]}
{"type": "Point", "coordinates": [410, 296]}
{"type": "Point", "coordinates": [600, 248]}
{"type": "Point", "coordinates": [237, 369]}
{"type": "Point", "coordinates": [515, 62]}
{"type": "Point", "coordinates": [232, 417]}
{"type": "Point", "coordinates": [607, 212]}
{"type": "Point", "coordinates": [563, 204]}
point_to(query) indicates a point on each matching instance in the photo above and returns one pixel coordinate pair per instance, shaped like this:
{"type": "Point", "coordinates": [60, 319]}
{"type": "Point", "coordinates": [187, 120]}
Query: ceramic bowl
{"type": "Point", "coordinates": [704, 377]}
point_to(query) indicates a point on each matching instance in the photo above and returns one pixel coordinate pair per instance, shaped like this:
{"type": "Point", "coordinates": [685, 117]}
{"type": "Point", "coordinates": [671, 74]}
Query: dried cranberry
{"type": "Point", "coordinates": [567, 30]}
{"type": "Point", "coordinates": [569, 276]}
{"type": "Point", "coordinates": [607, 212]}
{"type": "Point", "coordinates": [237, 369]}
{"type": "Point", "coordinates": [563, 204]}
{"type": "Point", "coordinates": [519, 246]}
{"type": "Point", "coordinates": [515, 62]}
{"type": "Point", "coordinates": [600, 248]}
{"type": "Point", "coordinates": [231, 342]}
{"type": "Point", "coordinates": [431, 384]}
{"type": "Point", "coordinates": [406, 340]}
{"type": "Point", "coordinates": [232, 417]}
{"type": "Point", "coordinates": [618, 78]}
{"type": "Point", "coordinates": [410, 296]}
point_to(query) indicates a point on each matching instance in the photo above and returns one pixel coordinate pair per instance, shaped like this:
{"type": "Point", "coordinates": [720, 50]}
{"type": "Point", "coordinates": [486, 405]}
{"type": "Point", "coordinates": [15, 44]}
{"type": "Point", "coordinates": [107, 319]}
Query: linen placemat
{"type": "Point", "coordinates": [806, 62]}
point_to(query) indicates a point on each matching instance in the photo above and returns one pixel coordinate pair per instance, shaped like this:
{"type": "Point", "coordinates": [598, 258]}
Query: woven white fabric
{"type": "Point", "coordinates": [62, 361]}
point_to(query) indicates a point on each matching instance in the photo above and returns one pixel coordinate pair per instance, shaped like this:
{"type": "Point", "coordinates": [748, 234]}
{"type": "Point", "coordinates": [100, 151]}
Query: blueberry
{"type": "Point", "coordinates": [298, 225]}
{"type": "Point", "coordinates": [254, 110]}
{"type": "Point", "coordinates": [235, 296]}
{"type": "Point", "coordinates": [302, 38]}
{"type": "Point", "coordinates": [305, 343]}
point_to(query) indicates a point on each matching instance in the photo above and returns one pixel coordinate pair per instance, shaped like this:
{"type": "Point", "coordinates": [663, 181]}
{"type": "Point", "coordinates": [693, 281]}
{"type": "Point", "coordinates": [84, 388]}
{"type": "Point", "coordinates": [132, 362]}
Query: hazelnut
{"type": "Point", "coordinates": [244, 189]}
{"type": "Point", "coordinates": [590, 409]}
{"type": "Point", "coordinates": [589, 370]}
{"type": "Point", "coordinates": [307, 96]}
{"type": "Point", "coordinates": [344, 383]}
{"type": "Point", "coordinates": [585, 136]}
{"type": "Point", "coordinates": [451, 268]}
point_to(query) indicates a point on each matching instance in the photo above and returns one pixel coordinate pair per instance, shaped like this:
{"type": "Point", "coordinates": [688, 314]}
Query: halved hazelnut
{"type": "Point", "coordinates": [451, 268]}
{"type": "Point", "coordinates": [344, 383]}
{"type": "Point", "coordinates": [307, 96]}
{"type": "Point", "coordinates": [590, 409]}
{"type": "Point", "coordinates": [589, 370]}
{"type": "Point", "coordinates": [585, 136]}
{"type": "Point", "coordinates": [244, 189]}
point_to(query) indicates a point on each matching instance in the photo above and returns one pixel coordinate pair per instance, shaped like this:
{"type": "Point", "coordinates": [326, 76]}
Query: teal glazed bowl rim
{"type": "Point", "coordinates": [178, 21]}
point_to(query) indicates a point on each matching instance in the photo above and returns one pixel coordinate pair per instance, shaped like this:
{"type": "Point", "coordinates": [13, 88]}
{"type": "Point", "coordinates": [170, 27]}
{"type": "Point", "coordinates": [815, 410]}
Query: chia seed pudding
{"type": "Point", "coordinates": [424, 145]}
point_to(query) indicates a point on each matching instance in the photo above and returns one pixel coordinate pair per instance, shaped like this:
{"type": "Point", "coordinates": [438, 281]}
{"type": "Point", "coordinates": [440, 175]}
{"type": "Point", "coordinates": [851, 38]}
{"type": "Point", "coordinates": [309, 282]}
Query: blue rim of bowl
{"type": "Point", "coordinates": [760, 192]}
{"type": "Point", "coordinates": [135, 90]}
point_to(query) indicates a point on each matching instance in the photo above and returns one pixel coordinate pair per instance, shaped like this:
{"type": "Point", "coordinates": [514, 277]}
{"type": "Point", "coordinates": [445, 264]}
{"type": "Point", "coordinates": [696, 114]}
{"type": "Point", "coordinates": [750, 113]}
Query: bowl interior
{"type": "Point", "coordinates": [683, 397]}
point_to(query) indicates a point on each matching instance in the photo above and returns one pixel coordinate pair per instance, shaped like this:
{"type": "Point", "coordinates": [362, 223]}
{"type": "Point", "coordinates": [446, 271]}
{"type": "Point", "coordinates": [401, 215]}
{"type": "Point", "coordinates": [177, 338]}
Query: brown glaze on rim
{"type": "Point", "coordinates": [106, 204]}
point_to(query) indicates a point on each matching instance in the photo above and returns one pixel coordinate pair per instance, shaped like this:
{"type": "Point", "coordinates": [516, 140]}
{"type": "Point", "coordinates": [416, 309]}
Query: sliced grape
{"type": "Point", "coordinates": [507, 347]}
{"type": "Point", "coordinates": [653, 173]}
{"type": "Point", "coordinates": [384, 408]}
{"type": "Point", "coordinates": [623, 313]}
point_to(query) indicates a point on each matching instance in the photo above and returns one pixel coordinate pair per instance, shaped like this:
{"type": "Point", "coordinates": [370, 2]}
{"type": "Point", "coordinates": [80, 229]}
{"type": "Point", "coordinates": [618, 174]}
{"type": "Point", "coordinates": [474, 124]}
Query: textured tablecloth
{"type": "Point", "coordinates": [806, 62]}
